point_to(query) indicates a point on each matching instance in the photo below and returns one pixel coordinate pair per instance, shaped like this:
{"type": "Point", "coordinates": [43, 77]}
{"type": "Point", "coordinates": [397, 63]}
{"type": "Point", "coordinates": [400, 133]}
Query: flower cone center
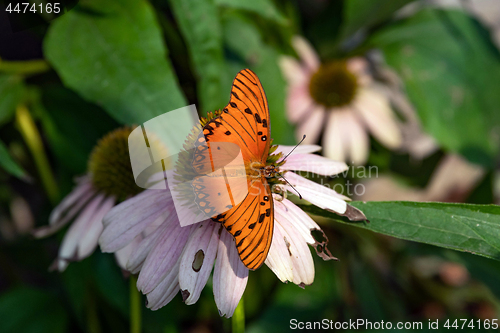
{"type": "Point", "coordinates": [109, 165]}
{"type": "Point", "coordinates": [333, 85]}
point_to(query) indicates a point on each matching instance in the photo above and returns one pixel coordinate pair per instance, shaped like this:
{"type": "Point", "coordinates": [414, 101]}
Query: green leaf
{"type": "Point", "coordinates": [367, 13]}
{"type": "Point", "coordinates": [451, 72]}
{"type": "Point", "coordinates": [112, 53]}
{"type": "Point", "coordinates": [243, 38]}
{"type": "Point", "coordinates": [30, 310]}
{"type": "Point", "coordinates": [11, 93]}
{"type": "Point", "coordinates": [200, 26]}
{"type": "Point", "coordinates": [462, 227]}
{"type": "Point", "coordinates": [7, 163]}
{"type": "Point", "coordinates": [265, 8]}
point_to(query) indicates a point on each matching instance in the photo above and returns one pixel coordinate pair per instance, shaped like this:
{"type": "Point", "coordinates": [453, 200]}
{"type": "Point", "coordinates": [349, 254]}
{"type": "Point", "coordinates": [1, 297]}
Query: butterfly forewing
{"type": "Point", "coordinates": [245, 120]}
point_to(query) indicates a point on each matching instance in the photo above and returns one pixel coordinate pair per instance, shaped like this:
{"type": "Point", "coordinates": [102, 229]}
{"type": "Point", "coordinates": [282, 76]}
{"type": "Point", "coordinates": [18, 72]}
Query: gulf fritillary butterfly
{"type": "Point", "coordinates": [244, 122]}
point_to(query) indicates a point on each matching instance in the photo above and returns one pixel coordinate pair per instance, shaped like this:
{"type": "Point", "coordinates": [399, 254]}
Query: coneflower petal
{"type": "Point", "coordinates": [131, 217]}
{"type": "Point", "coordinates": [230, 276]}
{"type": "Point", "coordinates": [90, 238]}
{"type": "Point", "coordinates": [300, 255]}
{"type": "Point", "coordinates": [315, 164]}
{"type": "Point", "coordinates": [164, 255]}
{"type": "Point", "coordinates": [166, 290]}
{"type": "Point", "coordinates": [198, 259]}
{"type": "Point", "coordinates": [68, 249]}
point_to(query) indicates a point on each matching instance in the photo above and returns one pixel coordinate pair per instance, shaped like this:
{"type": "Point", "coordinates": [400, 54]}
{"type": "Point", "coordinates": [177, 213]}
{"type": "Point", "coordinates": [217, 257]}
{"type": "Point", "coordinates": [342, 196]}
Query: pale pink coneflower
{"type": "Point", "coordinates": [171, 258]}
{"type": "Point", "coordinates": [109, 180]}
{"type": "Point", "coordinates": [341, 97]}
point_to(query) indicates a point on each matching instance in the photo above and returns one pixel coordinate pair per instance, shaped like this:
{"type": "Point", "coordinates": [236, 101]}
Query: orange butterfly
{"type": "Point", "coordinates": [245, 124]}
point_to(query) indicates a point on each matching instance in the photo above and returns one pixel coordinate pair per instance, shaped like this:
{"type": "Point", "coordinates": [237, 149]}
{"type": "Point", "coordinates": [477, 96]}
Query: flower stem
{"type": "Point", "coordinates": [135, 306]}
{"type": "Point", "coordinates": [238, 320]}
{"type": "Point", "coordinates": [24, 67]}
{"type": "Point", "coordinates": [93, 325]}
{"type": "Point", "coordinates": [33, 140]}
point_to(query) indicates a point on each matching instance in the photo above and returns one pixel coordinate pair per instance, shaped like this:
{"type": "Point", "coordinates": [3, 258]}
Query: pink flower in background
{"type": "Point", "coordinates": [108, 181]}
{"type": "Point", "coordinates": [171, 258]}
{"type": "Point", "coordinates": [340, 99]}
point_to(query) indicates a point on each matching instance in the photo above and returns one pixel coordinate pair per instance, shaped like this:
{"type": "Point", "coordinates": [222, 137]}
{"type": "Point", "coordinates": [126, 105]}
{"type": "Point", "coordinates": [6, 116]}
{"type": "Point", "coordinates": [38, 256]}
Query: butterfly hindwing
{"type": "Point", "coordinates": [251, 223]}
{"type": "Point", "coordinates": [219, 192]}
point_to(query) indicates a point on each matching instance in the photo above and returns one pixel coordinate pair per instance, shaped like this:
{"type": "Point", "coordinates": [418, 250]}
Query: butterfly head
{"type": "Point", "coordinates": [270, 171]}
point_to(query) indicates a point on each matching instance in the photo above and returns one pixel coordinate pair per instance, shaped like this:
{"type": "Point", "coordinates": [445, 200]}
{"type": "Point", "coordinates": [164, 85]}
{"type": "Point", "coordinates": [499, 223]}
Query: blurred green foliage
{"type": "Point", "coordinates": [438, 49]}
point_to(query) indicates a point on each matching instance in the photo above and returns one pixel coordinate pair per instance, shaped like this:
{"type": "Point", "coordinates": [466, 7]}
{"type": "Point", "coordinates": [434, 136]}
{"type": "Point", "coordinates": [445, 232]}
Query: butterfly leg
{"type": "Point", "coordinates": [281, 192]}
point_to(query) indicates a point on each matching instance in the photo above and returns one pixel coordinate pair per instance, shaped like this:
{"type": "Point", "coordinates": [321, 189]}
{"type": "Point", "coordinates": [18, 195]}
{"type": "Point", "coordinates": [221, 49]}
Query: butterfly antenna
{"type": "Point", "coordinates": [291, 151]}
{"type": "Point", "coordinates": [300, 197]}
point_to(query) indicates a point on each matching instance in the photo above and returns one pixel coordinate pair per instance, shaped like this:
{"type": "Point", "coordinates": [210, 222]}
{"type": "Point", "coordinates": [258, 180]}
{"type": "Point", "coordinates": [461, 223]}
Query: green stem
{"type": "Point", "coordinates": [238, 320]}
{"type": "Point", "coordinates": [33, 140]}
{"type": "Point", "coordinates": [135, 306]}
{"type": "Point", "coordinates": [24, 67]}
{"type": "Point", "coordinates": [93, 325]}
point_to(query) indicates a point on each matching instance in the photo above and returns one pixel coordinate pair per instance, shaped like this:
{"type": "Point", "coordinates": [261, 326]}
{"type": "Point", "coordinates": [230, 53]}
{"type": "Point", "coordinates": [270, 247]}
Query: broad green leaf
{"type": "Point", "coordinates": [11, 93]}
{"type": "Point", "coordinates": [462, 227]}
{"type": "Point", "coordinates": [265, 8]}
{"type": "Point", "coordinates": [200, 26]}
{"type": "Point", "coordinates": [243, 38]}
{"type": "Point", "coordinates": [7, 163]}
{"type": "Point", "coordinates": [451, 73]}
{"type": "Point", "coordinates": [30, 310]}
{"type": "Point", "coordinates": [366, 13]}
{"type": "Point", "coordinates": [112, 53]}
